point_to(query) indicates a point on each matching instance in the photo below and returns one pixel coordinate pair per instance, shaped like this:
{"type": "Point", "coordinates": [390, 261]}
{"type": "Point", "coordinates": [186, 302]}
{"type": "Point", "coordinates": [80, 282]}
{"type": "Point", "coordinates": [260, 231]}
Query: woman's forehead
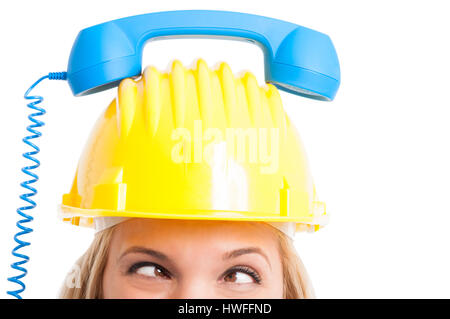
{"type": "Point", "coordinates": [178, 233]}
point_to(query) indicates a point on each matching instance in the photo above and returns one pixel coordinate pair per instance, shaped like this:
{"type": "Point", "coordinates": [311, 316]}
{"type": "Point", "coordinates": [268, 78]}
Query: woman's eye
{"type": "Point", "coordinates": [244, 276]}
{"type": "Point", "coordinates": [150, 270]}
{"type": "Point", "coordinates": [239, 278]}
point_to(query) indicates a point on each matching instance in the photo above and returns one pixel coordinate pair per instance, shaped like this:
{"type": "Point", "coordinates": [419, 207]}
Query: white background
{"type": "Point", "coordinates": [379, 153]}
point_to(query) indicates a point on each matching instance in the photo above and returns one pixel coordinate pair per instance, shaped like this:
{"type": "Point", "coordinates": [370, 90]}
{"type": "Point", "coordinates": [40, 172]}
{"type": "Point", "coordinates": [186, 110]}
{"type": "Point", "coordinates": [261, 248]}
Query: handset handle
{"type": "Point", "coordinates": [297, 59]}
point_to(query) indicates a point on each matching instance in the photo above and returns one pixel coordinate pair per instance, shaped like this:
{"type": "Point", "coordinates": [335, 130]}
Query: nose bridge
{"type": "Point", "coordinates": [195, 286]}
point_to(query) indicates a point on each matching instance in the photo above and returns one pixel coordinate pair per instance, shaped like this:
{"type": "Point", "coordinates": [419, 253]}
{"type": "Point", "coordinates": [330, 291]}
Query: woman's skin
{"type": "Point", "coordinates": [151, 258]}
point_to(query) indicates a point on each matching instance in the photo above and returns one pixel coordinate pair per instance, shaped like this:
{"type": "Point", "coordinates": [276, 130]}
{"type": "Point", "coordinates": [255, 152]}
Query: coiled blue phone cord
{"type": "Point", "coordinates": [31, 191]}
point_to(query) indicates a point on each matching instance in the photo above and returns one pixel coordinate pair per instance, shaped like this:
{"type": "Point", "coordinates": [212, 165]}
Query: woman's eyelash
{"type": "Point", "coordinates": [135, 267]}
{"type": "Point", "coordinates": [246, 270]}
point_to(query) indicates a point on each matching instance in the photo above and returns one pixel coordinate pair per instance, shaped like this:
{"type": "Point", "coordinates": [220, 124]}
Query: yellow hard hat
{"type": "Point", "coordinates": [194, 144]}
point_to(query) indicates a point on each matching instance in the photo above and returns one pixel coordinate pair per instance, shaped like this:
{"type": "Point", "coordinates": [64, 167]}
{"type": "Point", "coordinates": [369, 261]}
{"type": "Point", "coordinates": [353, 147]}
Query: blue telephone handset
{"type": "Point", "coordinates": [297, 59]}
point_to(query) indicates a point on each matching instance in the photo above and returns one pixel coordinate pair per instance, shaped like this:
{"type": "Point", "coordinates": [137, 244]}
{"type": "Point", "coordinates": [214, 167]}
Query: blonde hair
{"type": "Point", "coordinates": [92, 265]}
{"type": "Point", "coordinates": [90, 269]}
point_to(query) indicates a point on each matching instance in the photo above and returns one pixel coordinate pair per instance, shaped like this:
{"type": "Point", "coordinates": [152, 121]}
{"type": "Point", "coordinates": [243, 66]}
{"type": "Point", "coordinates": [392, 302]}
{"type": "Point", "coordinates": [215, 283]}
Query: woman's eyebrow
{"type": "Point", "coordinates": [147, 251]}
{"type": "Point", "coordinates": [243, 251]}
